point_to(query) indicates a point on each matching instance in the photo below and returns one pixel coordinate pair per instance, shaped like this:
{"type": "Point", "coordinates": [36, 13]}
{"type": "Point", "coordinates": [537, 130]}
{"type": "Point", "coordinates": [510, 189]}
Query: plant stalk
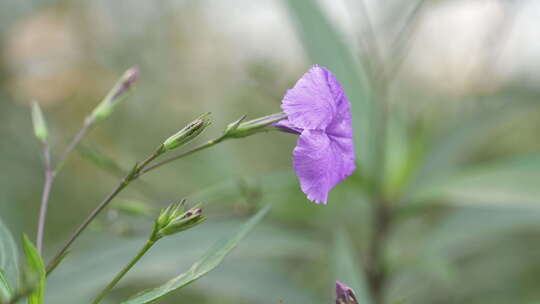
{"type": "Point", "coordinates": [88, 123]}
{"type": "Point", "coordinates": [50, 175]}
{"type": "Point", "coordinates": [200, 147]}
{"type": "Point", "coordinates": [49, 178]}
{"type": "Point", "coordinates": [377, 273]}
{"type": "Point", "coordinates": [123, 272]}
{"type": "Point", "coordinates": [131, 176]}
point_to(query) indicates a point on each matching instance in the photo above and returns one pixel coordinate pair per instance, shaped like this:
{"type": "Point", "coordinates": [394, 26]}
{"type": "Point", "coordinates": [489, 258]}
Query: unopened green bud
{"type": "Point", "coordinates": [119, 92]}
{"type": "Point", "coordinates": [40, 127]}
{"type": "Point", "coordinates": [174, 219]}
{"type": "Point", "coordinates": [239, 128]}
{"type": "Point", "coordinates": [188, 133]}
{"type": "Point", "coordinates": [170, 212]}
{"type": "Point", "coordinates": [192, 218]}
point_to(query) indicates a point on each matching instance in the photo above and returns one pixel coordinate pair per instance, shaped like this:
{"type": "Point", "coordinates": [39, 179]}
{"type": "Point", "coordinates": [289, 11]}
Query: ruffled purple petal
{"type": "Point", "coordinates": [318, 109]}
{"type": "Point", "coordinates": [321, 162]}
{"type": "Point", "coordinates": [341, 125]}
{"type": "Point", "coordinates": [313, 101]}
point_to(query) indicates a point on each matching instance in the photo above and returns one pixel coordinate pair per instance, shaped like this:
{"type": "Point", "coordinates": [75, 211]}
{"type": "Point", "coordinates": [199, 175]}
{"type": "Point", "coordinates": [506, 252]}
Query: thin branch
{"type": "Point", "coordinates": [131, 176]}
{"type": "Point", "coordinates": [49, 177]}
{"type": "Point", "coordinates": [124, 271]}
{"type": "Point", "coordinates": [139, 169]}
{"type": "Point", "coordinates": [88, 123]}
{"type": "Point", "coordinates": [200, 147]}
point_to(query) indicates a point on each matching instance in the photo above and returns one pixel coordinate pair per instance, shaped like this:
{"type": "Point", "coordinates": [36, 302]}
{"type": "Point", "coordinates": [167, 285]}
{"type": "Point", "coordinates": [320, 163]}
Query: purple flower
{"type": "Point", "coordinates": [317, 109]}
{"type": "Point", "coordinates": [344, 294]}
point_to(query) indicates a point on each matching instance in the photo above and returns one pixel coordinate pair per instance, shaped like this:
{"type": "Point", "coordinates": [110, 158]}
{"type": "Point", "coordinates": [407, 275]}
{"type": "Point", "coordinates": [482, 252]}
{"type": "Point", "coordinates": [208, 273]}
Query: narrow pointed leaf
{"type": "Point", "coordinates": [209, 261]}
{"type": "Point", "coordinates": [36, 266]}
{"type": "Point", "coordinates": [100, 159]}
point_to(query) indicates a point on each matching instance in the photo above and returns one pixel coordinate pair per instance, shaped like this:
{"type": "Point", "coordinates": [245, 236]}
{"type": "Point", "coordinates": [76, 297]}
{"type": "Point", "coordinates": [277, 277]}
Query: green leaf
{"type": "Point", "coordinates": [268, 242]}
{"type": "Point", "coordinates": [100, 159]}
{"type": "Point", "coordinates": [325, 46]}
{"type": "Point", "coordinates": [347, 269]}
{"type": "Point", "coordinates": [8, 254]}
{"type": "Point", "coordinates": [36, 266]}
{"type": "Point", "coordinates": [208, 262]}
{"type": "Point", "coordinates": [6, 292]}
{"type": "Point", "coordinates": [450, 147]}
{"type": "Point", "coordinates": [503, 182]}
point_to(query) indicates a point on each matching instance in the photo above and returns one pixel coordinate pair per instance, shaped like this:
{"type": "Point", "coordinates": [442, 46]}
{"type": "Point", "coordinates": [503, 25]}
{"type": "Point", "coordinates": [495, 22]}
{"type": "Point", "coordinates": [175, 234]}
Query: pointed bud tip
{"type": "Point", "coordinates": [118, 93]}
{"type": "Point", "coordinates": [133, 73]}
{"type": "Point", "coordinates": [38, 121]}
{"type": "Point", "coordinates": [188, 133]}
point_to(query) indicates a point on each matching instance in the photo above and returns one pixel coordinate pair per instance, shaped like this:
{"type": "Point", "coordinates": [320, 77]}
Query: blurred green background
{"type": "Point", "coordinates": [448, 138]}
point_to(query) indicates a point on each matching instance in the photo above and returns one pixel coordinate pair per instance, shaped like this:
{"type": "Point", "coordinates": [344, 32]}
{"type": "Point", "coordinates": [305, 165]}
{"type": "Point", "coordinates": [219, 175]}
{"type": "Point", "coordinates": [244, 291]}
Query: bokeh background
{"type": "Point", "coordinates": [460, 106]}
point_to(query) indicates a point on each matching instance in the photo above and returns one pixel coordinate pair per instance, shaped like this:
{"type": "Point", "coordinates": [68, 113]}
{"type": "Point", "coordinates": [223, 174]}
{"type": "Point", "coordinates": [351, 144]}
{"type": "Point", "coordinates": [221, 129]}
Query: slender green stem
{"type": "Point", "coordinates": [88, 123]}
{"type": "Point", "coordinates": [123, 272]}
{"type": "Point", "coordinates": [200, 147]}
{"type": "Point", "coordinates": [49, 177]}
{"type": "Point", "coordinates": [140, 169]}
{"type": "Point", "coordinates": [131, 176]}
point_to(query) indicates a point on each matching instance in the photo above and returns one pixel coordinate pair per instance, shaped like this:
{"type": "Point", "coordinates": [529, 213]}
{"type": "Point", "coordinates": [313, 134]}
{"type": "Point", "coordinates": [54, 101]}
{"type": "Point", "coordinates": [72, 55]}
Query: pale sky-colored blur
{"type": "Point", "coordinates": [456, 44]}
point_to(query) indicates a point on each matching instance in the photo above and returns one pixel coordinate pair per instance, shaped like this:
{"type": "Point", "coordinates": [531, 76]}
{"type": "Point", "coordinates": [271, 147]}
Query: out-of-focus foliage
{"type": "Point", "coordinates": [9, 261]}
{"type": "Point", "coordinates": [462, 150]}
{"type": "Point", "coordinates": [208, 262]}
{"type": "Point", "coordinates": [347, 269]}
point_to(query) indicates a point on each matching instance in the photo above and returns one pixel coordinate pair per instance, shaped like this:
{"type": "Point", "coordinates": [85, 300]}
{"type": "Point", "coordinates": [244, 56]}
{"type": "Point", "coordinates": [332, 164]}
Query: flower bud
{"type": "Point", "coordinates": [119, 92]}
{"type": "Point", "coordinates": [40, 127]}
{"type": "Point", "coordinates": [345, 294]}
{"type": "Point", "coordinates": [239, 129]}
{"type": "Point", "coordinates": [174, 219]}
{"type": "Point", "coordinates": [188, 133]}
{"type": "Point", "coordinates": [171, 211]}
{"type": "Point", "coordinates": [192, 218]}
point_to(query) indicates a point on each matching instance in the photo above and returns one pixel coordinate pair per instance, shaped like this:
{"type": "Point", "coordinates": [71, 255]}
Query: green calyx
{"type": "Point", "coordinates": [188, 133]}
{"type": "Point", "coordinates": [175, 218]}
{"type": "Point", "coordinates": [241, 128]}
